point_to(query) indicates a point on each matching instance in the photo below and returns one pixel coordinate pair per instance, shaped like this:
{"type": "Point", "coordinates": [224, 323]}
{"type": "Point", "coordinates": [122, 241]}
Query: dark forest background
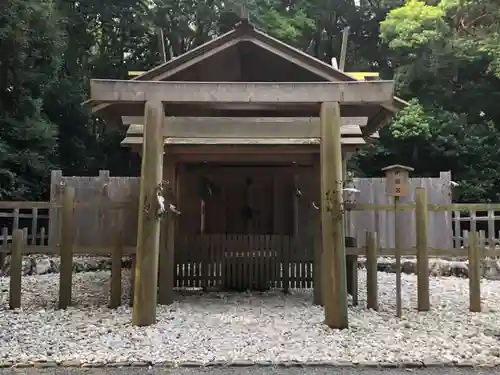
{"type": "Point", "coordinates": [444, 55]}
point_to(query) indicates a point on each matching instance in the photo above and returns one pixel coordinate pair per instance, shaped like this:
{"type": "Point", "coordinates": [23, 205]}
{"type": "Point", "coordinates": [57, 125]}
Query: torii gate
{"type": "Point", "coordinates": [327, 98]}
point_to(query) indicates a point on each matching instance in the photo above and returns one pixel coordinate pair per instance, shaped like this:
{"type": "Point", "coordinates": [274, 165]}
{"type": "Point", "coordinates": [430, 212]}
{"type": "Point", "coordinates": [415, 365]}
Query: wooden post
{"type": "Point", "coordinates": [66, 247]}
{"type": "Point", "coordinates": [421, 219]}
{"type": "Point", "coordinates": [352, 271]}
{"type": "Point", "coordinates": [15, 221]}
{"type": "Point", "coordinates": [133, 265]}
{"type": "Point", "coordinates": [148, 233]}
{"type": "Point", "coordinates": [332, 221]}
{"type": "Point", "coordinates": [16, 265]}
{"type": "Point", "coordinates": [25, 235]}
{"type": "Point", "coordinates": [297, 241]}
{"type": "Point", "coordinates": [42, 236]}
{"type": "Point", "coordinates": [351, 260]}
{"type": "Point", "coordinates": [295, 200]}
{"type": "Point", "coordinates": [474, 274]}
{"type": "Point", "coordinates": [103, 213]}
{"type": "Point", "coordinates": [5, 245]}
{"type": "Point", "coordinates": [115, 291]}
{"type": "Point", "coordinates": [34, 225]}
{"type": "Point", "coordinates": [397, 183]}
{"type": "Point", "coordinates": [317, 280]}
{"type": "Point", "coordinates": [343, 49]}
{"type": "Point", "coordinates": [397, 234]}
{"type": "Point", "coordinates": [371, 271]}
{"type": "Point", "coordinates": [167, 235]}
{"type": "Point", "coordinates": [285, 257]}
{"type": "Point", "coordinates": [56, 183]}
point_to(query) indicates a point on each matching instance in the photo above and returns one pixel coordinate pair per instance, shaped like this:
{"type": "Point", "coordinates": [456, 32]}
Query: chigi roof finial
{"type": "Point", "coordinates": [244, 14]}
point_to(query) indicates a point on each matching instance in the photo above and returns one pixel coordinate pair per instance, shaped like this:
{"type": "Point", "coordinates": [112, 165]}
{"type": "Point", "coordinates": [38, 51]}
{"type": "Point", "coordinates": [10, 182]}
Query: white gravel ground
{"type": "Point", "coordinates": [270, 326]}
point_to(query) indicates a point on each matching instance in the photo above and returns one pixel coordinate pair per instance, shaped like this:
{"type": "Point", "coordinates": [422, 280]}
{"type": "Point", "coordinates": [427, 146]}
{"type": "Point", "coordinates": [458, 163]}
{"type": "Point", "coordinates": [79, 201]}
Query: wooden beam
{"type": "Point", "coordinates": [196, 122]}
{"type": "Point", "coordinates": [356, 92]}
{"type": "Point", "coordinates": [332, 219]}
{"type": "Point", "coordinates": [182, 62]}
{"type": "Point", "coordinates": [247, 158]}
{"type": "Point", "coordinates": [148, 232]}
{"type": "Point", "coordinates": [381, 119]}
{"type": "Point", "coordinates": [246, 152]}
{"type": "Point", "coordinates": [348, 131]}
{"type": "Point", "coordinates": [242, 130]}
{"type": "Point", "coordinates": [234, 110]}
{"type": "Point", "coordinates": [213, 127]}
{"type": "Point", "coordinates": [358, 75]}
{"type": "Point", "coordinates": [242, 149]}
{"type": "Point", "coordinates": [130, 141]}
{"type": "Point", "coordinates": [296, 60]}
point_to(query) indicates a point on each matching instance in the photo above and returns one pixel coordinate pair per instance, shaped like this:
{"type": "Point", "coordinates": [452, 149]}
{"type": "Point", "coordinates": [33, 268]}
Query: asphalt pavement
{"type": "Point", "coordinates": [250, 371]}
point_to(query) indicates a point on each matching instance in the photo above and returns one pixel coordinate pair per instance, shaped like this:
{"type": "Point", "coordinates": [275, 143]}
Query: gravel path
{"type": "Point", "coordinates": [257, 327]}
{"type": "Point", "coordinates": [252, 371]}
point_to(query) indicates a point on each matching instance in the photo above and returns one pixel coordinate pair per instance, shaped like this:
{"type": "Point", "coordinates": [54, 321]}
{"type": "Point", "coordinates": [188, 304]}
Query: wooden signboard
{"type": "Point", "coordinates": [397, 180]}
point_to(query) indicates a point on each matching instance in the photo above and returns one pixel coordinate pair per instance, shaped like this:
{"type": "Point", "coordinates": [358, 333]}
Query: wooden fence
{"type": "Point", "coordinates": [91, 218]}
{"type": "Point", "coordinates": [444, 227]}
{"type": "Point", "coordinates": [255, 262]}
{"type": "Point", "coordinates": [474, 221]}
{"type": "Point", "coordinates": [241, 262]}
{"type": "Point", "coordinates": [372, 191]}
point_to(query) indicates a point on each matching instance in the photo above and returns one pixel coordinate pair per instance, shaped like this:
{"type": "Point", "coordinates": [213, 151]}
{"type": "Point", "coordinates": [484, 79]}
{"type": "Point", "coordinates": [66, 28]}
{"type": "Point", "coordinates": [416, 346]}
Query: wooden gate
{"type": "Point", "coordinates": [242, 262]}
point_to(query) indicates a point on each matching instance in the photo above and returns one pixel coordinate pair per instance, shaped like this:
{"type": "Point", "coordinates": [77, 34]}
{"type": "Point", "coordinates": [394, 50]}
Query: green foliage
{"type": "Point", "coordinates": [31, 43]}
{"type": "Point", "coordinates": [447, 58]}
{"type": "Point", "coordinates": [413, 26]}
{"type": "Point", "coordinates": [444, 55]}
{"type": "Point", "coordinates": [411, 122]}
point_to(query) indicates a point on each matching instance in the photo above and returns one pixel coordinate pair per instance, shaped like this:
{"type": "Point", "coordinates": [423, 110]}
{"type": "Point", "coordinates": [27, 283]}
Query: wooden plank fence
{"type": "Point", "coordinates": [372, 191]}
{"type": "Point", "coordinates": [91, 219]}
{"type": "Point", "coordinates": [41, 224]}
{"type": "Point", "coordinates": [248, 261]}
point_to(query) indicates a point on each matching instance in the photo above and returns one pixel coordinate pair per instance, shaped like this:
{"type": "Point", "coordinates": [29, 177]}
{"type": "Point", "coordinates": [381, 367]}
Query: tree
{"type": "Point", "coordinates": [447, 58]}
{"type": "Point", "coordinates": [31, 43]}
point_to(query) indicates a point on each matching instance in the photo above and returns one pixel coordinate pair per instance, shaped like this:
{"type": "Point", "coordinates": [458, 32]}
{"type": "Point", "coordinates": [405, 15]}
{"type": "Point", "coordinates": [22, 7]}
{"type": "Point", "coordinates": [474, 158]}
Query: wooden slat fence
{"type": "Point", "coordinates": [372, 190]}
{"type": "Point", "coordinates": [94, 220]}
{"type": "Point", "coordinates": [33, 220]}
{"type": "Point", "coordinates": [241, 262]}
{"type": "Point", "coordinates": [474, 221]}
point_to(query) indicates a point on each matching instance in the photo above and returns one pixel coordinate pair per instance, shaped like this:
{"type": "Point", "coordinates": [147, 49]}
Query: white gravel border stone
{"type": "Point", "coordinates": [247, 328]}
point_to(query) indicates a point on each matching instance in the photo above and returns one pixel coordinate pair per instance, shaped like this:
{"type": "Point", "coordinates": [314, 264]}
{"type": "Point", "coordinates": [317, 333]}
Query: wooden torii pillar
{"type": "Point", "coordinates": [148, 232]}
{"type": "Point", "coordinates": [334, 286]}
